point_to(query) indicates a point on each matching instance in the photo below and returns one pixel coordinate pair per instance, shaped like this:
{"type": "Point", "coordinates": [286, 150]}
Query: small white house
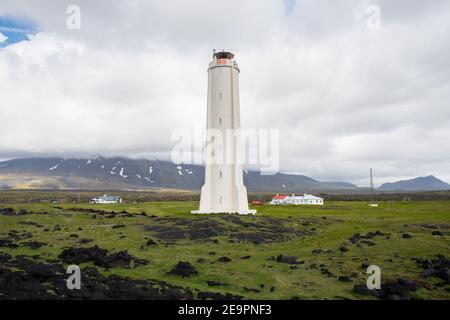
{"type": "Point", "coordinates": [107, 199]}
{"type": "Point", "coordinates": [297, 200]}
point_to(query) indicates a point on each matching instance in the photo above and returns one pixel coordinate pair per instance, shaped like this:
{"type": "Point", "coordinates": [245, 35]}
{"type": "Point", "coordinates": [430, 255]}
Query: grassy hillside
{"type": "Point", "coordinates": [312, 234]}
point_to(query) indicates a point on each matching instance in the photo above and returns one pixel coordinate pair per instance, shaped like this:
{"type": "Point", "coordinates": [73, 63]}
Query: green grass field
{"type": "Point", "coordinates": [260, 276]}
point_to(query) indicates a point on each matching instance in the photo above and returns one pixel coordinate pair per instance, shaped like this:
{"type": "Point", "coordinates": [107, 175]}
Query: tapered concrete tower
{"type": "Point", "coordinates": [224, 190]}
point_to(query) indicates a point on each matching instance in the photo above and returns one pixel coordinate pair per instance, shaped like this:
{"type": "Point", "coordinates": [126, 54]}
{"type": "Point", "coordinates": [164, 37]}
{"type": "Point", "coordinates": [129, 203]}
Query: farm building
{"type": "Point", "coordinates": [297, 200]}
{"type": "Point", "coordinates": [107, 199]}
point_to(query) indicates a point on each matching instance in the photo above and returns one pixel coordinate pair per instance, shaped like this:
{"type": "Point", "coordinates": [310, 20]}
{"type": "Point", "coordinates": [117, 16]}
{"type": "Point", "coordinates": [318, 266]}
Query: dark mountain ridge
{"type": "Point", "coordinates": [124, 173]}
{"type": "Point", "coordinates": [428, 183]}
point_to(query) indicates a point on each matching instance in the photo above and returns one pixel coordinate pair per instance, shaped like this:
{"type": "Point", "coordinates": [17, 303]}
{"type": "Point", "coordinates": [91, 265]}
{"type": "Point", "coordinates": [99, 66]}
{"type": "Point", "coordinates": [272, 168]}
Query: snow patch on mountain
{"type": "Point", "coordinates": [122, 174]}
{"type": "Point", "coordinates": [55, 166]}
{"type": "Point", "coordinates": [148, 179]}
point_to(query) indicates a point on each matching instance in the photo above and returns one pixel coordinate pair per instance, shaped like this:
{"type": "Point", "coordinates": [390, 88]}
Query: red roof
{"type": "Point", "coordinates": [279, 197]}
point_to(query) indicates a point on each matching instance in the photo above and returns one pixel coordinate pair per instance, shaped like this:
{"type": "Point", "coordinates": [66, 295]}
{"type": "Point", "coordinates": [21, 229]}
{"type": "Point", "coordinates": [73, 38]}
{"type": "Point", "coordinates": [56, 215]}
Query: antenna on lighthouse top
{"type": "Point", "coordinates": [214, 53]}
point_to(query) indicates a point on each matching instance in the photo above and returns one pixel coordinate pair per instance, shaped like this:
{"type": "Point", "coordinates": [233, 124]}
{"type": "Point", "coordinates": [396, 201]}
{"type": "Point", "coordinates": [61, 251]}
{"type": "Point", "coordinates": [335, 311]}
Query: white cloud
{"type": "Point", "coordinates": [3, 38]}
{"type": "Point", "coordinates": [345, 98]}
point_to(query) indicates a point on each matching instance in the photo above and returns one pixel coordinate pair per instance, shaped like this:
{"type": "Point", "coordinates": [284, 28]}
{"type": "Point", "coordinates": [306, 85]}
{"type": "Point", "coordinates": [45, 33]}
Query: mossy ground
{"type": "Point", "coordinates": [334, 223]}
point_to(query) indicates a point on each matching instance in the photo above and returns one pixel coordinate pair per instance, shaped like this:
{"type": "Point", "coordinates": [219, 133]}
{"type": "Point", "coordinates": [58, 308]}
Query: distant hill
{"type": "Point", "coordinates": [124, 173]}
{"type": "Point", "coordinates": [429, 183]}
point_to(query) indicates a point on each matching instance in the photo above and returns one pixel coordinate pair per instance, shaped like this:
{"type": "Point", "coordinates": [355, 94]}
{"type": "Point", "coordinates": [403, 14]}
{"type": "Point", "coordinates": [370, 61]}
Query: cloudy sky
{"type": "Point", "coordinates": [345, 94]}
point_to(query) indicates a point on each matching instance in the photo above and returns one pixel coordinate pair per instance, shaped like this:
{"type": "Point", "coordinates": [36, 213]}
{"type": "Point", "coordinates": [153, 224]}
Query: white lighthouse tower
{"type": "Point", "coordinates": [224, 190]}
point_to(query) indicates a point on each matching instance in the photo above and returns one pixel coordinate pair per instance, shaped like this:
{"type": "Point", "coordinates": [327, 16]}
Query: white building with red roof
{"type": "Point", "coordinates": [297, 200]}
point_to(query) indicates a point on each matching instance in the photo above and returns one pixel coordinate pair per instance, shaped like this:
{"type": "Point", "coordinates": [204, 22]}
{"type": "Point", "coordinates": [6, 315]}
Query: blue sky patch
{"type": "Point", "coordinates": [15, 30]}
{"type": "Point", "coordinates": [289, 6]}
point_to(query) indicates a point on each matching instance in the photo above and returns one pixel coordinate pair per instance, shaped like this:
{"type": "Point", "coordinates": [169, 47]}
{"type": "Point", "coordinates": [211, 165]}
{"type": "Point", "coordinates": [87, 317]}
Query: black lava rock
{"type": "Point", "coordinates": [287, 259]}
{"type": "Point", "coordinates": [224, 259]}
{"type": "Point", "coordinates": [184, 269]}
{"type": "Point", "coordinates": [215, 283]}
{"type": "Point", "coordinates": [151, 242]}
